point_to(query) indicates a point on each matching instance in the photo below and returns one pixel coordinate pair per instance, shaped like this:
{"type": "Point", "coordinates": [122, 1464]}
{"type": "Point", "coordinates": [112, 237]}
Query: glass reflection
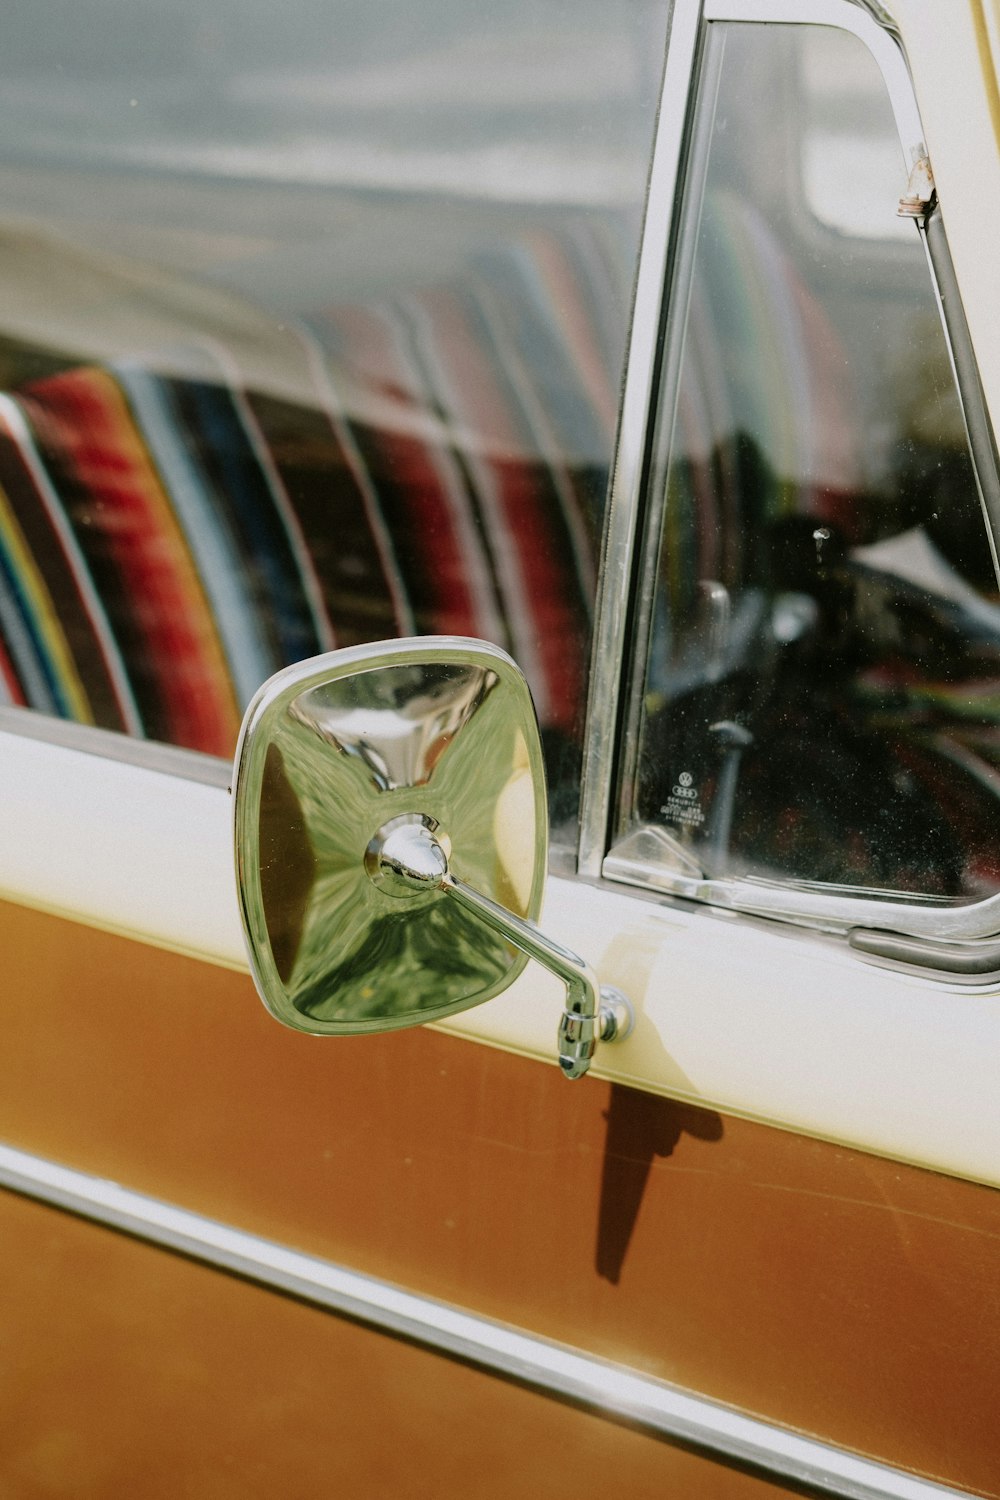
{"type": "Point", "coordinates": [821, 696]}
{"type": "Point", "coordinates": [311, 332]}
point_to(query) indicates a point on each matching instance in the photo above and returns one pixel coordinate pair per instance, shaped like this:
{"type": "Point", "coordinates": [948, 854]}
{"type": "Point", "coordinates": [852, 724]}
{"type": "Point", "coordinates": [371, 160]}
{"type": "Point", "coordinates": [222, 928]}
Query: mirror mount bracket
{"type": "Point", "coordinates": [409, 857]}
{"type": "Point", "coordinates": [592, 1013]}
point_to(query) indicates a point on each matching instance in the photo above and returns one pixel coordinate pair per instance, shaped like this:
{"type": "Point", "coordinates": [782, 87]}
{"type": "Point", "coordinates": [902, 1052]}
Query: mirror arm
{"type": "Point", "coordinates": [590, 1013]}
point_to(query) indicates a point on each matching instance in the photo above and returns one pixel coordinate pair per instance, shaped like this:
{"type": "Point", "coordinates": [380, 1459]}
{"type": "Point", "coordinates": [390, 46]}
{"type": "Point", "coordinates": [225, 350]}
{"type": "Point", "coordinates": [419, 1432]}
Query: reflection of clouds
{"type": "Point", "coordinates": [874, 173]}
{"type": "Point", "coordinates": [484, 108]}
{"type": "Point", "coordinates": [594, 177]}
{"type": "Point", "coordinates": [493, 71]}
{"type": "Point", "coordinates": [401, 744]}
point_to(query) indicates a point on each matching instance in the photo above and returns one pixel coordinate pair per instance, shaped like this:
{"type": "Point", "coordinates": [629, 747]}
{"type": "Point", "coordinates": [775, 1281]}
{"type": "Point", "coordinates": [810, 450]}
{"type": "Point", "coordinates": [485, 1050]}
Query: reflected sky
{"type": "Point", "coordinates": [430, 97]}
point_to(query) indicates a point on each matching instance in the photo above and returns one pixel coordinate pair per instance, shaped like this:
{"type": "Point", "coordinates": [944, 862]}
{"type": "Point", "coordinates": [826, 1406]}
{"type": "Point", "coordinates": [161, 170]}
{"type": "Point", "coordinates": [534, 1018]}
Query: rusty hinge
{"type": "Point", "coordinates": [921, 195]}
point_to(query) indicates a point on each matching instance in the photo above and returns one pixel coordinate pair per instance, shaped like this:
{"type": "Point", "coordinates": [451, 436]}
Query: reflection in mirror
{"type": "Point", "coordinates": [397, 721]}
{"type": "Point", "coordinates": [337, 756]}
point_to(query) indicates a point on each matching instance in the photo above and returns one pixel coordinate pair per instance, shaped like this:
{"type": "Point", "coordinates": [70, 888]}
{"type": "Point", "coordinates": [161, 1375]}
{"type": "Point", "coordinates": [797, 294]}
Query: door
{"type": "Point", "coordinates": [314, 334]}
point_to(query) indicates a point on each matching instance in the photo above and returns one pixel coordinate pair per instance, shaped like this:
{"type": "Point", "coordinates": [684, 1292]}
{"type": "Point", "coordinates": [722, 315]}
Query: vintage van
{"type": "Point", "coordinates": [356, 360]}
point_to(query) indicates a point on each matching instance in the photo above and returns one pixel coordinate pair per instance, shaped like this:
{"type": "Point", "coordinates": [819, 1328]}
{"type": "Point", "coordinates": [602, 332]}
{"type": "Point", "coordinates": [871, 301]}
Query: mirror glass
{"type": "Point", "coordinates": [334, 754]}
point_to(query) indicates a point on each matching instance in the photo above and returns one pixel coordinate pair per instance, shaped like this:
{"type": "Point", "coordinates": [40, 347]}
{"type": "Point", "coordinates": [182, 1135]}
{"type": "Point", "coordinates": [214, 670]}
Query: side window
{"type": "Point", "coordinates": [311, 333]}
{"type": "Point", "coordinates": [817, 697]}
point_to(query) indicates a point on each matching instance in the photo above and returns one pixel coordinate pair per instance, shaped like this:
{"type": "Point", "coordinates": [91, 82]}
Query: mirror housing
{"type": "Point", "coordinates": [391, 842]}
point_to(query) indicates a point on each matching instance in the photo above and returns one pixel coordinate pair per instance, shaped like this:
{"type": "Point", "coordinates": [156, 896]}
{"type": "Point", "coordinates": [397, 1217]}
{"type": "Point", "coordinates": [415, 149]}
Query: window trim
{"type": "Point", "coordinates": [632, 523]}
{"type": "Point", "coordinates": [642, 364]}
{"type": "Point", "coordinates": [116, 745]}
{"type": "Point", "coordinates": [645, 355]}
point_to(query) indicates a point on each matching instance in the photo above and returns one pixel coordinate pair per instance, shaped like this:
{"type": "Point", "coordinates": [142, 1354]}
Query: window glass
{"type": "Point", "coordinates": [821, 700]}
{"type": "Point", "coordinates": [311, 329]}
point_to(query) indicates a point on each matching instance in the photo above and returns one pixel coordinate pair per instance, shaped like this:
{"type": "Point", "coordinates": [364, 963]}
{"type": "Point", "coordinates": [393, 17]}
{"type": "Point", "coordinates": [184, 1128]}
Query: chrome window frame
{"type": "Point", "coordinates": [651, 384]}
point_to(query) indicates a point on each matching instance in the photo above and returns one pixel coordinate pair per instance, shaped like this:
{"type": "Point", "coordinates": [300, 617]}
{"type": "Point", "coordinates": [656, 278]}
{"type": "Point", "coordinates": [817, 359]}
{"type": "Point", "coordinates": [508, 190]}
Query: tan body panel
{"type": "Point", "coordinates": [130, 1371]}
{"type": "Point", "coordinates": [821, 1288]}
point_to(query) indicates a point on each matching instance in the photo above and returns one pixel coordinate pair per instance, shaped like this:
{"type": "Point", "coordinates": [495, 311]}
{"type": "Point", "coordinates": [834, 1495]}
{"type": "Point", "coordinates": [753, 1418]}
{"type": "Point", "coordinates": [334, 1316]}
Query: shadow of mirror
{"type": "Point", "coordinates": [641, 1129]}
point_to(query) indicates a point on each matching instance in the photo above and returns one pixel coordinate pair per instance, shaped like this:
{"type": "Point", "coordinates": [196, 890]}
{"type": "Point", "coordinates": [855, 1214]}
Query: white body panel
{"type": "Point", "coordinates": [768, 1022]}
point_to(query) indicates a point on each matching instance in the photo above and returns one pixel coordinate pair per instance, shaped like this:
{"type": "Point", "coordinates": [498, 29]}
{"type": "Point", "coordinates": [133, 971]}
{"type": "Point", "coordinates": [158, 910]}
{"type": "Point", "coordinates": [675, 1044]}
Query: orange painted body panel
{"type": "Point", "coordinates": [131, 1371]}
{"type": "Point", "coordinates": [821, 1288]}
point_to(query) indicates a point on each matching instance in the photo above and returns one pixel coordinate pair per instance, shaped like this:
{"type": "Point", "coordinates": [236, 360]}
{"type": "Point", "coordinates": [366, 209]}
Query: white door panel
{"type": "Point", "coordinates": [773, 1023]}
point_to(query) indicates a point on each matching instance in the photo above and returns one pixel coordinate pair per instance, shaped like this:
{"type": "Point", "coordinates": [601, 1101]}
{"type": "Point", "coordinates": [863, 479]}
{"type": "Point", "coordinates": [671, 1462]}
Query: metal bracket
{"type": "Point", "coordinates": [411, 856]}
{"type": "Point", "coordinates": [921, 194]}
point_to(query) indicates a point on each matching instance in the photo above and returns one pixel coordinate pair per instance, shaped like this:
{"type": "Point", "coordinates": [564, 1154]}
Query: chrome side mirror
{"type": "Point", "coordinates": [391, 839]}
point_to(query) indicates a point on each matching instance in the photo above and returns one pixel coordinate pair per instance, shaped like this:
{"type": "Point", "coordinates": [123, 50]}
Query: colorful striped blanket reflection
{"type": "Point", "coordinates": [166, 543]}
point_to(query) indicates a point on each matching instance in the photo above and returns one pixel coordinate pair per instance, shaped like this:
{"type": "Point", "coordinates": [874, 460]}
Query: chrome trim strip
{"type": "Point", "coordinates": [110, 744]}
{"type": "Point", "coordinates": [845, 15]}
{"type": "Point", "coordinates": [564, 1372]}
{"type": "Point", "coordinates": [828, 909]}
{"type": "Point", "coordinates": [677, 298]}
{"type": "Point", "coordinates": [978, 427]}
{"type": "Point", "coordinates": [615, 572]}
{"type": "Point", "coordinates": [972, 962]}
